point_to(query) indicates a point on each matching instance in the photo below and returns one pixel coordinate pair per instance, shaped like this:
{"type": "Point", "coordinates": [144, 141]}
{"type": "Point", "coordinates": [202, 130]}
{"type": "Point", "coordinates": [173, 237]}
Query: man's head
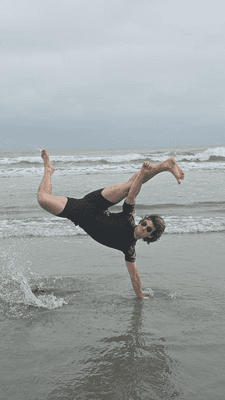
{"type": "Point", "coordinates": [156, 223]}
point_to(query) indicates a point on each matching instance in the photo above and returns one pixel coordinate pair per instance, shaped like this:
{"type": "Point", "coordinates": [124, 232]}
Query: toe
{"type": "Point", "coordinates": [43, 153]}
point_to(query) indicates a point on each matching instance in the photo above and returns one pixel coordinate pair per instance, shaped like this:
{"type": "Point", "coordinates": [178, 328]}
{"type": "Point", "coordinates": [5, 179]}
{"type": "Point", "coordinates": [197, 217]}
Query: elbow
{"type": "Point", "coordinates": [131, 199]}
{"type": "Point", "coordinates": [135, 277]}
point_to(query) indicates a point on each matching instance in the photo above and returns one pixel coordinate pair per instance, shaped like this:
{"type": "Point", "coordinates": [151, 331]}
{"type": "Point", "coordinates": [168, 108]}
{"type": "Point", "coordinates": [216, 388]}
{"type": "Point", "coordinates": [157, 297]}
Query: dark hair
{"type": "Point", "coordinates": [159, 225]}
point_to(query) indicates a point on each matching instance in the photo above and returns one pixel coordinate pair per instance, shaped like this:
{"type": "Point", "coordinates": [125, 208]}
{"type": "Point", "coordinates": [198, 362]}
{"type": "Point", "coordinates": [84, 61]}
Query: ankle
{"type": "Point", "coordinates": [164, 166]}
{"type": "Point", "coordinates": [48, 169]}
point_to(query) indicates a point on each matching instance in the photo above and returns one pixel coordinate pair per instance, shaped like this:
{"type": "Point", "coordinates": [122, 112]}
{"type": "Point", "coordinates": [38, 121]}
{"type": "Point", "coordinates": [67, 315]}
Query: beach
{"type": "Point", "coordinates": [71, 324]}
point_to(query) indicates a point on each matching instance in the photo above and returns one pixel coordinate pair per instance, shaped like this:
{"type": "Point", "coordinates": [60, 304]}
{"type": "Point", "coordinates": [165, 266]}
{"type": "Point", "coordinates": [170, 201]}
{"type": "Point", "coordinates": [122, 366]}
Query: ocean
{"type": "Point", "coordinates": [71, 326]}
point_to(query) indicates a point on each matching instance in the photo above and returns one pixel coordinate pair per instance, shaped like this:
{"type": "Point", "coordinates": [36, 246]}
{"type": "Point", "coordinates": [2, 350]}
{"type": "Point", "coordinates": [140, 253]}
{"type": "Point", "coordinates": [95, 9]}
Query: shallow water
{"type": "Point", "coordinates": [88, 336]}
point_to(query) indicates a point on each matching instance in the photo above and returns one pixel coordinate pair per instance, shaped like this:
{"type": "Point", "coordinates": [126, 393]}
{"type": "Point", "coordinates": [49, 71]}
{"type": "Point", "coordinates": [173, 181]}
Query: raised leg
{"type": "Point", "coordinates": [169, 165]}
{"type": "Point", "coordinates": [50, 203]}
{"type": "Point", "coordinates": [116, 193]}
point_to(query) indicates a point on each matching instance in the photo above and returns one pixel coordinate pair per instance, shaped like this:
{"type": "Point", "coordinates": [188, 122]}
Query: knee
{"type": "Point", "coordinates": [45, 202]}
{"type": "Point", "coordinates": [41, 199]}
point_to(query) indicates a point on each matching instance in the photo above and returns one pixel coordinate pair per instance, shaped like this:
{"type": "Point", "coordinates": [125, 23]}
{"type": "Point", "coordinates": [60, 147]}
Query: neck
{"type": "Point", "coordinates": [135, 235]}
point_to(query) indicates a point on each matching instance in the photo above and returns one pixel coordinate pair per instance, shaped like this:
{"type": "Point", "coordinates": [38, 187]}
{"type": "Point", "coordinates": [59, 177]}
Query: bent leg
{"type": "Point", "coordinates": [169, 165]}
{"type": "Point", "coordinates": [116, 193]}
{"type": "Point", "coordinates": [50, 203]}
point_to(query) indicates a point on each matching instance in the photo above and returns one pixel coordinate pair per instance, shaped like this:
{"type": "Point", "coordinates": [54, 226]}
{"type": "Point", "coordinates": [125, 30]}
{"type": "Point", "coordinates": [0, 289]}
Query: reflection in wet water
{"type": "Point", "coordinates": [132, 365]}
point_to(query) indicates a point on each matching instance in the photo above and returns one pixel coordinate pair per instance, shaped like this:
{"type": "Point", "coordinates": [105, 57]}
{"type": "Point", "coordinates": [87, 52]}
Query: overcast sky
{"type": "Point", "coordinates": [121, 73]}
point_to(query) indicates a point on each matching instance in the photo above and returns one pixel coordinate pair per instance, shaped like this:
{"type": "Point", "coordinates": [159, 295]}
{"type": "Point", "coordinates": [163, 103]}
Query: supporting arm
{"type": "Point", "coordinates": [136, 279]}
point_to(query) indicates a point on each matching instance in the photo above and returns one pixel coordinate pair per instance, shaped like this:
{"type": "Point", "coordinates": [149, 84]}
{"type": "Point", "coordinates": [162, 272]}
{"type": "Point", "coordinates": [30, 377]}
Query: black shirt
{"type": "Point", "coordinates": [115, 230]}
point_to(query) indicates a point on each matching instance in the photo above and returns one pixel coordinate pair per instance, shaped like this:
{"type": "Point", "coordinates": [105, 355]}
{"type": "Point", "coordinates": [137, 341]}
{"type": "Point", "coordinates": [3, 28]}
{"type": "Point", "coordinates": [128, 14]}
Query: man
{"type": "Point", "coordinates": [115, 230]}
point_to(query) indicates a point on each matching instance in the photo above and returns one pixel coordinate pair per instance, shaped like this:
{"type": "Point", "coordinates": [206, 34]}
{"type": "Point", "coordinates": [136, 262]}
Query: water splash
{"type": "Point", "coordinates": [16, 294]}
{"type": "Point", "coordinates": [148, 292]}
{"type": "Point", "coordinates": [162, 293]}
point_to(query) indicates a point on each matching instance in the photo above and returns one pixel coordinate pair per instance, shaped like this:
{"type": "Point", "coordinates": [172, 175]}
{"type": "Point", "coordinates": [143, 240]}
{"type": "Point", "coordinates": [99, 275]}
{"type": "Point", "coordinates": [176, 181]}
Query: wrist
{"type": "Point", "coordinates": [140, 294]}
{"type": "Point", "coordinates": [144, 172]}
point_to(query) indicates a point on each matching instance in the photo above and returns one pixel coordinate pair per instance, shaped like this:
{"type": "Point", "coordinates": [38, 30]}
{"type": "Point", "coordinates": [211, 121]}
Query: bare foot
{"type": "Point", "coordinates": [45, 157]}
{"type": "Point", "coordinates": [47, 162]}
{"type": "Point", "coordinates": [174, 168]}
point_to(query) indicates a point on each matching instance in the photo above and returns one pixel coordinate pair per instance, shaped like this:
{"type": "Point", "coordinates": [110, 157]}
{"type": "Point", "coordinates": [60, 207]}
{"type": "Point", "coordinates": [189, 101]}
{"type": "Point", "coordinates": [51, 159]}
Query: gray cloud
{"type": "Point", "coordinates": [89, 65]}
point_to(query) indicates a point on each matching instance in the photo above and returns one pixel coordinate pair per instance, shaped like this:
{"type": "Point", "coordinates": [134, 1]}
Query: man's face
{"type": "Point", "coordinates": [144, 229]}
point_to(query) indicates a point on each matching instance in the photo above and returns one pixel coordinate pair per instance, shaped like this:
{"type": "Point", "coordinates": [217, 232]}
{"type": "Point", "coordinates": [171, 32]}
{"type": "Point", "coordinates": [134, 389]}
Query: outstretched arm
{"type": "Point", "coordinates": [137, 183]}
{"type": "Point", "coordinates": [135, 278]}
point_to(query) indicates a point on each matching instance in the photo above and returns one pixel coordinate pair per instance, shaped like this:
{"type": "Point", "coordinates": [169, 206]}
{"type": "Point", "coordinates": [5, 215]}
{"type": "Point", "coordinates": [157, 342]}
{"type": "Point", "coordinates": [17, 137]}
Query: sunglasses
{"type": "Point", "coordinates": [144, 223]}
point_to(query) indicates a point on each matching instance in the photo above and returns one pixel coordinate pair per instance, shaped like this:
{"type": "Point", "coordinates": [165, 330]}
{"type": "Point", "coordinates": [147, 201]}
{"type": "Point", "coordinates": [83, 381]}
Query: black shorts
{"type": "Point", "coordinates": [75, 209]}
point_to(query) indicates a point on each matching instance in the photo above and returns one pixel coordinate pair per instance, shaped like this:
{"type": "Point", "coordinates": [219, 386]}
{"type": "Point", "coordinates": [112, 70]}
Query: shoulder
{"type": "Point", "coordinates": [129, 213]}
